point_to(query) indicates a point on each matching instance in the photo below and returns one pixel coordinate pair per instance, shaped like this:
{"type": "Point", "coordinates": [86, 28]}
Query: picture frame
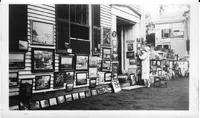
{"type": "Point", "coordinates": [115, 67]}
{"type": "Point", "coordinates": [23, 106]}
{"type": "Point", "coordinates": [159, 72]}
{"type": "Point", "coordinates": [81, 78]}
{"type": "Point", "coordinates": [42, 33]}
{"type": "Point", "coordinates": [58, 81]}
{"type": "Point", "coordinates": [44, 103]}
{"type": "Point", "coordinates": [93, 83]}
{"type": "Point", "coordinates": [106, 53]}
{"type": "Point", "coordinates": [100, 91]}
{"type": "Point", "coordinates": [114, 57]}
{"type": "Point", "coordinates": [69, 77]}
{"type": "Point", "coordinates": [13, 108]}
{"type": "Point", "coordinates": [26, 87]}
{"type": "Point", "coordinates": [23, 45]}
{"type": "Point", "coordinates": [42, 82]}
{"type": "Point", "coordinates": [158, 64]}
{"type": "Point", "coordinates": [69, 87]}
{"type": "Point", "coordinates": [52, 101]}
{"type": "Point", "coordinates": [115, 76]}
{"type": "Point", "coordinates": [114, 50]}
{"type": "Point", "coordinates": [154, 70]}
{"type": "Point", "coordinates": [93, 72]}
{"type": "Point", "coordinates": [106, 33]}
{"type": "Point", "coordinates": [88, 93]}
{"type": "Point", "coordinates": [139, 46]}
{"type": "Point", "coordinates": [154, 63]}
{"type": "Point", "coordinates": [133, 78]}
{"type": "Point", "coordinates": [34, 105]}
{"type": "Point", "coordinates": [130, 46]}
{"type": "Point", "coordinates": [101, 77]}
{"type": "Point", "coordinates": [108, 76]}
{"type": "Point", "coordinates": [93, 61]}
{"type": "Point", "coordinates": [43, 60]}
{"type": "Point", "coordinates": [96, 41]}
{"type": "Point", "coordinates": [13, 79]}
{"type": "Point", "coordinates": [82, 95]}
{"type": "Point", "coordinates": [116, 86]}
{"type": "Point", "coordinates": [132, 62]}
{"type": "Point", "coordinates": [94, 92]}
{"type": "Point", "coordinates": [75, 96]}
{"type": "Point", "coordinates": [130, 55]}
{"type": "Point", "coordinates": [82, 62]}
{"type": "Point", "coordinates": [106, 65]}
{"type": "Point", "coordinates": [16, 60]}
{"type": "Point", "coordinates": [99, 62]}
{"type": "Point", "coordinates": [114, 43]}
{"type": "Point", "coordinates": [66, 62]}
{"type": "Point", "coordinates": [68, 98]}
{"type": "Point", "coordinates": [61, 99]}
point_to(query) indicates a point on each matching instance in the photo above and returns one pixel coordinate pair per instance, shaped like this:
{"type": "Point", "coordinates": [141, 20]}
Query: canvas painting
{"type": "Point", "coordinates": [82, 95]}
{"type": "Point", "coordinates": [81, 78]}
{"type": "Point", "coordinates": [93, 72]}
{"type": "Point", "coordinates": [114, 76]}
{"type": "Point", "coordinates": [52, 101]}
{"type": "Point", "coordinates": [108, 77]}
{"type": "Point", "coordinates": [81, 62]}
{"type": "Point", "coordinates": [106, 65]}
{"type": "Point", "coordinates": [93, 61]}
{"type": "Point", "coordinates": [35, 105]}
{"type": "Point", "coordinates": [59, 79]}
{"type": "Point", "coordinates": [115, 67]}
{"type": "Point", "coordinates": [44, 103]}
{"type": "Point", "coordinates": [68, 98]}
{"type": "Point", "coordinates": [13, 79]}
{"type": "Point", "coordinates": [66, 62]}
{"type": "Point", "coordinates": [42, 33]}
{"type": "Point", "coordinates": [106, 36]}
{"type": "Point", "coordinates": [106, 53]}
{"type": "Point", "coordinates": [16, 60]}
{"type": "Point", "coordinates": [69, 77]}
{"type": "Point", "coordinates": [23, 45]}
{"type": "Point", "coordinates": [114, 50]}
{"type": "Point", "coordinates": [60, 99]}
{"type": "Point", "coordinates": [101, 77]}
{"type": "Point", "coordinates": [42, 82]}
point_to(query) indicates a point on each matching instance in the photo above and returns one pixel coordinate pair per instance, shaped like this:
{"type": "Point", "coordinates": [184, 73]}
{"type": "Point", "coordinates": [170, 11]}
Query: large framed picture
{"type": "Point", "coordinates": [106, 36]}
{"type": "Point", "coordinates": [59, 79]}
{"type": "Point", "coordinates": [42, 33]}
{"type": "Point", "coordinates": [81, 62]}
{"type": "Point", "coordinates": [106, 65]}
{"type": "Point", "coordinates": [42, 60]}
{"type": "Point", "coordinates": [69, 77]}
{"type": "Point", "coordinates": [130, 46]}
{"type": "Point", "coordinates": [13, 79]}
{"type": "Point", "coordinates": [93, 72]}
{"type": "Point", "coordinates": [81, 78]}
{"type": "Point", "coordinates": [26, 87]}
{"type": "Point", "coordinates": [108, 77]}
{"type": "Point", "coordinates": [42, 82]}
{"type": "Point", "coordinates": [106, 53]}
{"type": "Point", "coordinates": [93, 61]}
{"type": "Point", "coordinates": [66, 63]}
{"type": "Point", "coordinates": [16, 60]}
{"type": "Point", "coordinates": [130, 55]}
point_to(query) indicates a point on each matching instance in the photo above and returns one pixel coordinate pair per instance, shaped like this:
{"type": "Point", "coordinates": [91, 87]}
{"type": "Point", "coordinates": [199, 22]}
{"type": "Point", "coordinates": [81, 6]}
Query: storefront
{"type": "Point", "coordinates": [68, 52]}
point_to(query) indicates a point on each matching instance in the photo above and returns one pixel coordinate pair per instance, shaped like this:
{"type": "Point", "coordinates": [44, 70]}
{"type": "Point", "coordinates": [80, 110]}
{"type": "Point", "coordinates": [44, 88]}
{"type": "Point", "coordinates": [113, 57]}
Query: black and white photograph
{"type": "Point", "coordinates": [93, 61]}
{"type": "Point", "coordinates": [69, 77]}
{"type": "Point", "coordinates": [106, 36]}
{"type": "Point", "coordinates": [66, 63]}
{"type": "Point", "coordinates": [88, 93]}
{"type": "Point", "coordinates": [60, 99]}
{"type": "Point", "coordinates": [106, 65]}
{"type": "Point", "coordinates": [52, 101]}
{"type": "Point", "coordinates": [44, 103]}
{"type": "Point", "coordinates": [81, 62]}
{"type": "Point", "coordinates": [69, 87]}
{"type": "Point", "coordinates": [130, 46]}
{"type": "Point", "coordinates": [81, 78]}
{"type": "Point", "coordinates": [26, 87]}
{"type": "Point", "coordinates": [16, 60]}
{"type": "Point", "coordinates": [107, 76]}
{"type": "Point", "coordinates": [42, 33]}
{"type": "Point", "coordinates": [42, 82]}
{"type": "Point", "coordinates": [68, 98]}
{"type": "Point", "coordinates": [106, 53]}
{"type": "Point", "coordinates": [93, 83]}
{"type": "Point", "coordinates": [58, 81]}
{"type": "Point", "coordinates": [13, 79]}
{"type": "Point", "coordinates": [101, 77]}
{"type": "Point", "coordinates": [93, 72]}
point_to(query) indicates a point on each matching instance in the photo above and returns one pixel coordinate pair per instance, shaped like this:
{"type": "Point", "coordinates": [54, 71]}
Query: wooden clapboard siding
{"type": "Point", "coordinates": [105, 16]}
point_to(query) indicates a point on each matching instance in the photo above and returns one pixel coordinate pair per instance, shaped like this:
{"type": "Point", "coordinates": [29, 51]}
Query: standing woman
{"type": "Point", "coordinates": [145, 65]}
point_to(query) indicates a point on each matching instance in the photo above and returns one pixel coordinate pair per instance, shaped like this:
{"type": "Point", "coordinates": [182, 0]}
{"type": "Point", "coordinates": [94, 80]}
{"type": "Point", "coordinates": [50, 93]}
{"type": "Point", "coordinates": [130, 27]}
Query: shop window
{"type": "Point", "coordinates": [166, 46]}
{"type": "Point", "coordinates": [166, 33]}
{"type": "Point", "coordinates": [96, 15]}
{"type": "Point", "coordinates": [17, 26]}
{"type": "Point", "coordinates": [80, 46]}
{"type": "Point", "coordinates": [80, 32]}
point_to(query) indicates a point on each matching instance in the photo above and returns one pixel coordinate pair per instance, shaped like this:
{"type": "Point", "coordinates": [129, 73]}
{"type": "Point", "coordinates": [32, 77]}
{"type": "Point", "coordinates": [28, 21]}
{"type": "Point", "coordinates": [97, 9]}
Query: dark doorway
{"type": "Point", "coordinates": [119, 30]}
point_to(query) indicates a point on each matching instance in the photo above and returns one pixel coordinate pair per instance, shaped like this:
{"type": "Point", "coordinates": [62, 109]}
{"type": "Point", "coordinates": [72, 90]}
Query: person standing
{"type": "Point", "coordinates": [145, 57]}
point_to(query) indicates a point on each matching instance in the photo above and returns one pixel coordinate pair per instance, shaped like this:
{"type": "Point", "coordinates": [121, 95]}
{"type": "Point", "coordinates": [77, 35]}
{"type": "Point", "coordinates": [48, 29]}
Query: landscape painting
{"type": "Point", "coordinates": [81, 78]}
{"type": "Point", "coordinates": [42, 82]}
{"type": "Point", "coordinates": [59, 79]}
{"type": "Point", "coordinates": [13, 79]}
{"type": "Point", "coordinates": [66, 62]}
{"type": "Point", "coordinates": [81, 62]}
{"type": "Point", "coordinates": [69, 77]}
{"type": "Point", "coordinates": [16, 60]}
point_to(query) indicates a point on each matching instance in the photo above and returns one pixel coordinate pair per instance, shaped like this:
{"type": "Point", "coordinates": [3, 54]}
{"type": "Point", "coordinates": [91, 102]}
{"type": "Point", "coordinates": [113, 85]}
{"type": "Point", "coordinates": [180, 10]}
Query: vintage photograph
{"type": "Point", "coordinates": [69, 77]}
{"type": "Point", "coordinates": [66, 63]}
{"type": "Point", "coordinates": [106, 65]}
{"type": "Point", "coordinates": [106, 53]}
{"type": "Point", "coordinates": [42, 33]}
{"type": "Point", "coordinates": [42, 82]}
{"type": "Point", "coordinates": [93, 61]}
{"type": "Point", "coordinates": [60, 99]}
{"type": "Point", "coordinates": [16, 60]}
{"type": "Point", "coordinates": [34, 105]}
{"type": "Point", "coordinates": [81, 62]}
{"type": "Point", "coordinates": [108, 76]}
{"type": "Point", "coordinates": [106, 36]}
{"type": "Point", "coordinates": [13, 79]}
{"type": "Point", "coordinates": [81, 78]}
{"type": "Point", "coordinates": [23, 45]}
{"type": "Point", "coordinates": [42, 60]}
{"type": "Point", "coordinates": [93, 72]}
{"type": "Point", "coordinates": [58, 81]}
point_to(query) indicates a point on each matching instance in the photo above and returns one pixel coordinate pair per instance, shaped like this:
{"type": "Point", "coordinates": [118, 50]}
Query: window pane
{"type": "Point", "coordinates": [85, 14]}
{"type": "Point", "coordinates": [62, 11]}
{"type": "Point", "coordinates": [78, 14]}
{"type": "Point", "coordinates": [80, 47]}
{"type": "Point", "coordinates": [96, 15]}
{"type": "Point", "coordinates": [72, 13]}
{"type": "Point", "coordinates": [78, 31]}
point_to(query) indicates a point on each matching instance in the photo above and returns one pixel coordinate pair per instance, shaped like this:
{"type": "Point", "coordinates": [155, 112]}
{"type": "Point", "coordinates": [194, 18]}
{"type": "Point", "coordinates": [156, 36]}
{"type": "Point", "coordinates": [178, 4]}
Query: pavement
{"type": "Point", "coordinates": [174, 97]}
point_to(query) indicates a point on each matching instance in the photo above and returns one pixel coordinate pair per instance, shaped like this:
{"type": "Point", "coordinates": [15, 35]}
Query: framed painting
{"type": "Point", "coordinates": [13, 79]}
{"type": "Point", "coordinates": [24, 106]}
{"type": "Point", "coordinates": [114, 57]}
{"type": "Point", "coordinates": [154, 63]}
{"type": "Point", "coordinates": [66, 63]}
{"type": "Point", "coordinates": [16, 60]}
{"type": "Point", "coordinates": [108, 77]}
{"type": "Point", "coordinates": [96, 45]}
{"type": "Point", "coordinates": [115, 50]}
{"type": "Point", "coordinates": [106, 36]}
{"type": "Point", "coordinates": [114, 43]}
{"type": "Point", "coordinates": [132, 62]}
{"type": "Point", "coordinates": [92, 83]}
{"type": "Point", "coordinates": [34, 105]}
{"type": "Point", "coordinates": [44, 103]}
{"type": "Point", "coordinates": [116, 86]}
{"type": "Point", "coordinates": [99, 61]}
{"type": "Point", "coordinates": [52, 101]}
{"type": "Point", "coordinates": [106, 65]}
{"type": "Point", "coordinates": [58, 81]}
{"type": "Point", "coordinates": [159, 64]}
{"type": "Point", "coordinates": [23, 45]}
{"type": "Point", "coordinates": [82, 95]}
{"type": "Point", "coordinates": [60, 99]}
{"type": "Point", "coordinates": [101, 77]}
{"type": "Point", "coordinates": [43, 60]}
{"type": "Point", "coordinates": [69, 87]}
{"type": "Point", "coordinates": [12, 108]}
{"type": "Point", "coordinates": [26, 87]}
{"type": "Point", "coordinates": [68, 98]}
{"type": "Point", "coordinates": [93, 61]}
{"type": "Point", "coordinates": [69, 77]}
{"type": "Point", "coordinates": [93, 72]}
{"type": "Point", "coordinates": [75, 96]}
{"type": "Point", "coordinates": [130, 46]}
{"type": "Point", "coordinates": [88, 93]}
{"type": "Point", "coordinates": [115, 67]}
{"type": "Point", "coordinates": [42, 82]}
{"type": "Point", "coordinates": [81, 62]}
{"type": "Point", "coordinates": [106, 53]}
{"type": "Point", "coordinates": [130, 55]}
{"type": "Point", "coordinates": [42, 33]}
{"type": "Point", "coordinates": [81, 78]}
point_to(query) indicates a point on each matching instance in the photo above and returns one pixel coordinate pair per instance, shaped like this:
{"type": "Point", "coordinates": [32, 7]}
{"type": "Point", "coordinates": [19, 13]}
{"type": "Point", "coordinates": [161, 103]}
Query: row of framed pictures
{"type": "Point", "coordinates": [39, 104]}
{"type": "Point", "coordinates": [157, 63]}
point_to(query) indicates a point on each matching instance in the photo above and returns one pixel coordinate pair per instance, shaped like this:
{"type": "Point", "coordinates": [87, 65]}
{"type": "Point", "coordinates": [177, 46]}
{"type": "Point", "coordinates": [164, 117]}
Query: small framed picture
{"type": "Point", "coordinates": [23, 106]}
{"type": "Point", "coordinates": [88, 93]}
{"type": "Point", "coordinates": [99, 63]}
{"type": "Point", "coordinates": [26, 87]}
{"type": "Point", "coordinates": [81, 78]}
{"type": "Point", "coordinates": [106, 53]}
{"type": "Point", "coordinates": [94, 92]}
{"type": "Point", "coordinates": [108, 77]}
{"type": "Point", "coordinates": [114, 50]}
{"type": "Point", "coordinates": [115, 67]}
{"type": "Point", "coordinates": [23, 45]}
{"type": "Point", "coordinates": [69, 77]}
{"type": "Point", "coordinates": [159, 72]}
{"type": "Point", "coordinates": [101, 77]}
{"type": "Point", "coordinates": [159, 64]}
{"type": "Point", "coordinates": [42, 60]}
{"type": "Point", "coordinates": [13, 108]}
{"type": "Point", "coordinates": [138, 46]}
{"type": "Point", "coordinates": [16, 60]}
{"type": "Point", "coordinates": [60, 99]}
{"type": "Point", "coordinates": [42, 33]}
{"type": "Point", "coordinates": [93, 72]}
{"type": "Point", "coordinates": [93, 61]}
{"type": "Point", "coordinates": [154, 63]}
{"type": "Point", "coordinates": [133, 78]}
{"type": "Point", "coordinates": [100, 91]}
{"type": "Point", "coordinates": [44, 103]}
{"type": "Point", "coordinates": [114, 43]}
{"type": "Point", "coordinates": [130, 46]}
{"type": "Point", "coordinates": [106, 36]}
{"type": "Point", "coordinates": [116, 86]}
{"type": "Point", "coordinates": [68, 98]}
{"type": "Point", "coordinates": [75, 96]}
{"type": "Point", "coordinates": [92, 83]}
{"type": "Point", "coordinates": [130, 55]}
{"type": "Point", "coordinates": [59, 79]}
{"type": "Point", "coordinates": [82, 95]}
{"type": "Point", "coordinates": [115, 76]}
{"type": "Point", "coordinates": [42, 82]}
{"type": "Point", "coordinates": [66, 63]}
{"type": "Point", "coordinates": [52, 101]}
{"type": "Point", "coordinates": [13, 79]}
{"type": "Point", "coordinates": [115, 57]}
{"type": "Point", "coordinates": [69, 87]}
{"type": "Point", "coordinates": [34, 105]}
{"type": "Point", "coordinates": [106, 65]}
{"type": "Point", "coordinates": [81, 62]}
{"type": "Point", "coordinates": [132, 62]}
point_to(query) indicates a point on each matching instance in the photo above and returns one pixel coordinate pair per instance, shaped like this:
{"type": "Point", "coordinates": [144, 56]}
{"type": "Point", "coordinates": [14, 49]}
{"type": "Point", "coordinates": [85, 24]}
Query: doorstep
{"type": "Point", "coordinates": [128, 88]}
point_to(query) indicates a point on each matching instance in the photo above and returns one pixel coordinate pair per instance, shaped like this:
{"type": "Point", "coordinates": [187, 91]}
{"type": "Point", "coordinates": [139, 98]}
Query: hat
{"type": "Point", "coordinates": [146, 49]}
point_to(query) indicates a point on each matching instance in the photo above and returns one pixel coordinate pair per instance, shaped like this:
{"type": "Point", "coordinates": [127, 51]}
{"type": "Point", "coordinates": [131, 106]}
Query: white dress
{"type": "Point", "coordinates": [145, 65]}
